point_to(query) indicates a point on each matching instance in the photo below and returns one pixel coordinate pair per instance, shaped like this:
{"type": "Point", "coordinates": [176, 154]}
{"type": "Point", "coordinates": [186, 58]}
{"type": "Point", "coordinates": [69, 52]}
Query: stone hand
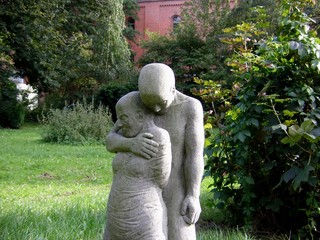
{"type": "Point", "coordinates": [190, 209]}
{"type": "Point", "coordinates": [143, 145]}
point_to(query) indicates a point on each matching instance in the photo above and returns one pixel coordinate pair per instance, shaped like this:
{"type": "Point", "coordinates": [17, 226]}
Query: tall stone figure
{"type": "Point", "coordinates": [182, 117]}
{"type": "Point", "coordinates": [136, 209]}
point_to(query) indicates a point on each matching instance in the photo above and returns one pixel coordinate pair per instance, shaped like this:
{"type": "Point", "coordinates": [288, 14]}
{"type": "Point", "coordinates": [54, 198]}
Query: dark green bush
{"type": "Point", "coordinates": [109, 94]}
{"type": "Point", "coordinates": [265, 158]}
{"type": "Point", "coordinates": [12, 111]}
{"type": "Point", "coordinates": [79, 123]}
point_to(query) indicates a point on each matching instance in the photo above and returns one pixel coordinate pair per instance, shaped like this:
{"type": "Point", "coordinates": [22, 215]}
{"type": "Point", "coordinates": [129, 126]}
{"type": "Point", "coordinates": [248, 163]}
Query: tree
{"type": "Point", "coordinates": [11, 110]}
{"type": "Point", "coordinates": [66, 45]}
{"type": "Point", "coordinates": [130, 8]}
{"type": "Point", "coordinates": [193, 48]}
{"type": "Point", "coordinates": [265, 158]}
{"type": "Point", "coordinates": [190, 50]}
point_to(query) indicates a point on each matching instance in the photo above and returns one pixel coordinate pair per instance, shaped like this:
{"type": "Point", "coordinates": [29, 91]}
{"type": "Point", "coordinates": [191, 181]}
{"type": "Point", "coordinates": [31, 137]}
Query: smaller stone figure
{"type": "Point", "coordinates": [135, 207]}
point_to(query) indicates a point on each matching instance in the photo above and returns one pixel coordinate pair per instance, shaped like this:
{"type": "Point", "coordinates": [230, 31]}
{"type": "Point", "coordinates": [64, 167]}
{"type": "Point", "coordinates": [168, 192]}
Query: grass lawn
{"type": "Point", "coordinates": [52, 191]}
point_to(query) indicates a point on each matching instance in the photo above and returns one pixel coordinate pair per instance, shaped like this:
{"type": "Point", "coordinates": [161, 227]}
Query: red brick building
{"type": "Point", "coordinates": [156, 16]}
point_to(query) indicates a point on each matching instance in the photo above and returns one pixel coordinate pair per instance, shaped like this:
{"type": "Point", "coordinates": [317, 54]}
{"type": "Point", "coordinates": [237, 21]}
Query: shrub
{"type": "Point", "coordinates": [110, 93]}
{"type": "Point", "coordinates": [79, 123]}
{"type": "Point", "coordinates": [265, 158]}
{"type": "Point", "coordinates": [12, 111]}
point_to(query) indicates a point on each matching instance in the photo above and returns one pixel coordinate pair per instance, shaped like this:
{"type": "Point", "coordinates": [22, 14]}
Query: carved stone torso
{"type": "Point", "coordinates": [135, 207]}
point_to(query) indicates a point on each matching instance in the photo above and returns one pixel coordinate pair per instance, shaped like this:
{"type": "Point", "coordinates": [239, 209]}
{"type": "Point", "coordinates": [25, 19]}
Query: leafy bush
{"type": "Point", "coordinates": [78, 123]}
{"type": "Point", "coordinates": [72, 49]}
{"type": "Point", "coordinates": [12, 111]}
{"type": "Point", "coordinates": [15, 101]}
{"type": "Point", "coordinates": [110, 93]}
{"type": "Point", "coordinates": [265, 158]}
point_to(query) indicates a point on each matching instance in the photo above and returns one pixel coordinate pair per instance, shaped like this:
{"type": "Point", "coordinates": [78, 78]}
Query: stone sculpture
{"type": "Point", "coordinates": [135, 207]}
{"type": "Point", "coordinates": [182, 117]}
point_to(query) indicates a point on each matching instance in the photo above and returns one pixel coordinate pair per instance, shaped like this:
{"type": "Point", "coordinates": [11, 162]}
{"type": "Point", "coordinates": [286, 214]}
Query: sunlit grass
{"type": "Point", "coordinates": [53, 191]}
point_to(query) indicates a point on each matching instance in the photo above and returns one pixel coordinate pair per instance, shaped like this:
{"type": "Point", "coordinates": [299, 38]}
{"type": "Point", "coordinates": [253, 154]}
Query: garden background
{"type": "Point", "coordinates": [255, 68]}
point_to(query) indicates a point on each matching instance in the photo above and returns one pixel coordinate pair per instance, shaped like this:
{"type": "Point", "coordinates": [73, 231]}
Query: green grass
{"type": "Point", "coordinates": [52, 191]}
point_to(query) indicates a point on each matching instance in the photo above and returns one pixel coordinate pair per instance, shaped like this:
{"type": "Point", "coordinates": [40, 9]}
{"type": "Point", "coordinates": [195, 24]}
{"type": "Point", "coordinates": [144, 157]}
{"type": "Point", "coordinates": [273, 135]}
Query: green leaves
{"type": "Point", "coordinates": [316, 64]}
{"type": "Point", "coordinates": [80, 123]}
{"type": "Point", "coordinates": [268, 148]}
{"type": "Point", "coordinates": [297, 133]}
{"type": "Point", "coordinates": [302, 50]}
{"type": "Point", "coordinates": [297, 176]}
{"type": "Point", "coordinates": [57, 43]}
{"type": "Point", "coordinates": [242, 135]}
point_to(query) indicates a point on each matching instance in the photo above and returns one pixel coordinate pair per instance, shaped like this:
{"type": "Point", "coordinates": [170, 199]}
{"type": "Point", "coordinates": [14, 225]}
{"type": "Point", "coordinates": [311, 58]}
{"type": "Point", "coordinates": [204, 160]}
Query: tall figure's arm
{"type": "Point", "coordinates": [193, 164]}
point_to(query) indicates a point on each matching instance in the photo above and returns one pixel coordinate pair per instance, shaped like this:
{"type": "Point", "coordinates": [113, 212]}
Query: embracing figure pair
{"type": "Point", "coordinates": [158, 168]}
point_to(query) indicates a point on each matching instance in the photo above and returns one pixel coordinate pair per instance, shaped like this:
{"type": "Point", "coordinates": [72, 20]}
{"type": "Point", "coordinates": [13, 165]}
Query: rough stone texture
{"type": "Point", "coordinates": [135, 207]}
{"type": "Point", "coordinates": [182, 117]}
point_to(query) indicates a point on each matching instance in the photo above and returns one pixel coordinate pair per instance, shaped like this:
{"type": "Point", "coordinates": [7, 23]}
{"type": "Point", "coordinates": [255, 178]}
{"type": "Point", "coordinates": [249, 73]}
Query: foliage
{"type": "Point", "coordinates": [191, 49]}
{"type": "Point", "coordinates": [11, 110]}
{"type": "Point", "coordinates": [208, 17]}
{"type": "Point", "coordinates": [243, 12]}
{"type": "Point", "coordinates": [109, 94]}
{"type": "Point", "coordinates": [130, 8]}
{"type": "Point", "coordinates": [66, 45]}
{"type": "Point", "coordinates": [187, 57]}
{"type": "Point", "coordinates": [77, 123]}
{"type": "Point", "coordinates": [265, 158]}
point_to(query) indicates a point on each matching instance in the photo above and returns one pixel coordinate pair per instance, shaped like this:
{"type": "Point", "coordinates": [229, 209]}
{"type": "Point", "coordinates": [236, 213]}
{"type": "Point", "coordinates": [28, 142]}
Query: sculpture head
{"type": "Point", "coordinates": [131, 114]}
{"type": "Point", "coordinates": [157, 87]}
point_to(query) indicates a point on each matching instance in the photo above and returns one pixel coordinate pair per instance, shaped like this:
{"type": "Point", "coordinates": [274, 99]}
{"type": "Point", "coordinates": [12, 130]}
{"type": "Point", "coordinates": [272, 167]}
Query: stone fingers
{"type": "Point", "coordinates": [189, 211]}
{"type": "Point", "coordinates": [150, 148]}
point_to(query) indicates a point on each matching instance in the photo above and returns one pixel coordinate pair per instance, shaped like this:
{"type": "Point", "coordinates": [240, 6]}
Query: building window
{"type": "Point", "coordinates": [131, 23]}
{"type": "Point", "coordinates": [175, 21]}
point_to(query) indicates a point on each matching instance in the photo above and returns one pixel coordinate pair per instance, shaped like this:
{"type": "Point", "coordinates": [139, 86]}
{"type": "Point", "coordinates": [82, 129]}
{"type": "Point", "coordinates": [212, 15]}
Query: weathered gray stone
{"type": "Point", "coordinates": [135, 207]}
{"type": "Point", "coordinates": [182, 117]}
